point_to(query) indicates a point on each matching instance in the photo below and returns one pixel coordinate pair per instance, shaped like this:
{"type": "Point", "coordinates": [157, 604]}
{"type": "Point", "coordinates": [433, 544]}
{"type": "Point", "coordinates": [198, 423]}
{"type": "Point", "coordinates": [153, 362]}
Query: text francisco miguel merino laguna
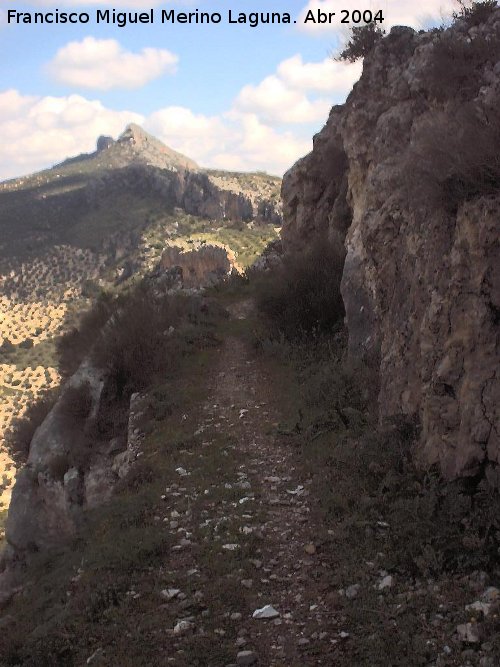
{"type": "Point", "coordinates": [122, 19]}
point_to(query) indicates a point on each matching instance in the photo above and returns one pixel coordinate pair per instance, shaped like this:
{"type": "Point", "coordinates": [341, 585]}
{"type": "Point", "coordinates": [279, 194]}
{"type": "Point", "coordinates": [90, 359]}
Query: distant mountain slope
{"type": "Point", "coordinates": [118, 189]}
{"type": "Point", "coordinates": [100, 221]}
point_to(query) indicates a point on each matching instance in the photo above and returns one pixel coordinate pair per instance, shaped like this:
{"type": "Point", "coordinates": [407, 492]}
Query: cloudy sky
{"type": "Point", "coordinates": [228, 96]}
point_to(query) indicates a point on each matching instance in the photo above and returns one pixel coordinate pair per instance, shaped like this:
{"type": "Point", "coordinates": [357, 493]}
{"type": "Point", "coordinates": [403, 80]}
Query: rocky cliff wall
{"type": "Point", "coordinates": [405, 179]}
{"type": "Point", "coordinates": [197, 267]}
{"type": "Point", "coordinates": [72, 466]}
{"type": "Point", "coordinates": [194, 191]}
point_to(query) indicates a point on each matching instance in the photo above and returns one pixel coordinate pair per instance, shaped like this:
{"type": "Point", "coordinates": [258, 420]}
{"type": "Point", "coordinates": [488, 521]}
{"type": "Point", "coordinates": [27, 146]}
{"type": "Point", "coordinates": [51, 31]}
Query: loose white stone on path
{"type": "Point", "coordinates": [469, 633]}
{"type": "Point", "coordinates": [296, 492]}
{"type": "Point", "coordinates": [266, 612]}
{"type": "Point", "coordinates": [246, 658]}
{"type": "Point", "coordinates": [491, 594]}
{"type": "Point", "coordinates": [479, 607]}
{"type": "Point", "coordinates": [385, 583]}
{"type": "Point", "coordinates": [182, 627]}
{"type": "Point", "coordinates": [352, 591]}
{"type": "Point", "coordinates": [170, 593]}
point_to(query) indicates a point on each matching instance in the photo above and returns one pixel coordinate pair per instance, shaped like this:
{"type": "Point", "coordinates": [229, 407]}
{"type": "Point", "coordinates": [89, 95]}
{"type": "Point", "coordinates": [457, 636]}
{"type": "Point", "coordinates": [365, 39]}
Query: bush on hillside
{"type": "Point", "coordinates": [455, 71]}
{"type": "Point", "coordinates": [362, 41]}
{"type": "Point", "coordinates": [76, 343]}
{"type": "Point", "coordinates": [147, 334]}
{"type": "Point", "coordinates": [129, 333]}
{"type": "Point", "coordinates": [474, 13]}
{"type": "Point", "coordinates": [133, 346]}
{"type": "Point", "coordinates": [458, 155]}
{"type": "Point", "coordinates": [302, 296]}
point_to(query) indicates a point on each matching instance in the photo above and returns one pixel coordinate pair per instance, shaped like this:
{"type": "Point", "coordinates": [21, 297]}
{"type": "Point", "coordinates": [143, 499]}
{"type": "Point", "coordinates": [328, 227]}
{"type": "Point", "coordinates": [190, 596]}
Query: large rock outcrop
{"type": "Point", "coordinates": [73, 465]}
{"type": "Point", "coordinates": [405, 179]}
{"type": "Point", "coordinates": [201, 266]}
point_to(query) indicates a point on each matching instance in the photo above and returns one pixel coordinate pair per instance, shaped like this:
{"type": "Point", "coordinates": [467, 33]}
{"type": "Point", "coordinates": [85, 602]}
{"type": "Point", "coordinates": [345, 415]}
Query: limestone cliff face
{"type": "Point", "coordinates": [405, 179]}
{"type": "Point", "coordinates": [71, 467]}
{"type": "Point", "coordinates": [143, 164]}
{"type": "Point", "coordinates": [197, 267]}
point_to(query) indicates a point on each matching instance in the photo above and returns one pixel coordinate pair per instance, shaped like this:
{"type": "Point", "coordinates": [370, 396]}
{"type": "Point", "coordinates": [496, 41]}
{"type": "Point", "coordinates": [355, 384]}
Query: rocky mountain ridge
{"type": "Point", "coordinates": [116, 190]}
{"type": "Point", "coordinates": [404, 180]}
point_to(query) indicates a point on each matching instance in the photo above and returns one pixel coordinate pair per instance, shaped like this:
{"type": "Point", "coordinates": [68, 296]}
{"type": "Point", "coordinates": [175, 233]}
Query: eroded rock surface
{"type": "Point", "coordinates": [71, 467]}
{"type": "Point", "coordinates": [402, 178]}
{"type": "Point", "coordinates": [199, 266]}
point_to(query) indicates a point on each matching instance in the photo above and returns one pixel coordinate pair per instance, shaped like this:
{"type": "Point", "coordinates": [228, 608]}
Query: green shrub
{"type": "Point", "coordinates": [7, 347]}
{"type": "Point", "coordinates": [133, 347]}
{"type": "Point", "coordinates": [90, 289]}
{"type": "Point", "coordinates": [132, 335]}
{"type": "Point", "coordinates": [362, 41]}
{"type": "Point", "coordinates": [303, 295]}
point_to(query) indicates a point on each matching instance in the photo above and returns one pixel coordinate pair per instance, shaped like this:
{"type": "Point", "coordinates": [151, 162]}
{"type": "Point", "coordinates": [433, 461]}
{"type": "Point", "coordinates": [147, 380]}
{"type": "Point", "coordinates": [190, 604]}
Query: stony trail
{"type": "Point", "coordinates": [224, 513]}
{"type": "Point", "coordinates": [271, 506]}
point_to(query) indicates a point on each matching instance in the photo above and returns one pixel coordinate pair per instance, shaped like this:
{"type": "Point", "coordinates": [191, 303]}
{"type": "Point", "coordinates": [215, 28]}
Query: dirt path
{"type": "Point", "coordinates": [215, 524]}
{"type": "Point", "coordinates": [219, 518]}
{"type": "Point", "coordinates": [272, 555]}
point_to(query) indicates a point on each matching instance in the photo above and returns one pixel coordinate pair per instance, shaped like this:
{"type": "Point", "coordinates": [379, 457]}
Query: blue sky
{"type": "Point", "coordinates": [229, 96]}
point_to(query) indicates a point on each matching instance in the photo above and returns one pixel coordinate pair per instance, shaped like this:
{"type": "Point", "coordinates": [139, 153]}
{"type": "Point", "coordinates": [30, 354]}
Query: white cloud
{"type": "Point", "coordinates": [327, 76]}
{"type": "Point", "coordinates": [44, 130]}
{"type": "Point", "coordinates": [196, 135]}
{"type": "Point", "coordinates": [12, 104]}
{"type": "Point", "coordinates": [285, 97]}
{"type": "Point", "coordinates": [234, 140]}
{"type": "Point", "coordinates": [103, 64]}
{"type": "Point", "coordinates": [258, 143]}
{"type": "Point", "coordinates": [396, 12]}
{"type": "Point", "coordinates": [275, 103]}
{"type": "Point", "coordinates": [254, 133]}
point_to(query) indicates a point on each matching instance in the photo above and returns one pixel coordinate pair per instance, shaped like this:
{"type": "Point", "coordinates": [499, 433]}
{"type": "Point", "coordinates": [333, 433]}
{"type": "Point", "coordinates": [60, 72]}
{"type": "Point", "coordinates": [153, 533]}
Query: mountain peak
{"type": "Point", "coordinates": [149, 148]}
{"type": "Point", "coordinates": [137, 135]}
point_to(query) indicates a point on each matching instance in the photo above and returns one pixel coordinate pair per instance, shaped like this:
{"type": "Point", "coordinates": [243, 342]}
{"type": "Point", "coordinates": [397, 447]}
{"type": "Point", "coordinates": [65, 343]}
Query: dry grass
{"type": "Point", "coordinates": [456, 153]}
